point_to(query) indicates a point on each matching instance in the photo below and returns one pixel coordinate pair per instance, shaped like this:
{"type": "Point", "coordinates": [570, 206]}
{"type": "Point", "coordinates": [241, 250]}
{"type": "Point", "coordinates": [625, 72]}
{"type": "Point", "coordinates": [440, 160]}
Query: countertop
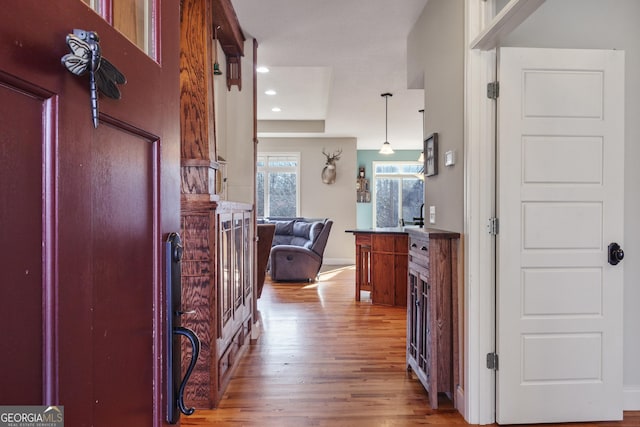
{"type": "Point", "coordinates": [413, 229]}
{"type": "Point", "coordinates": [383, 230]}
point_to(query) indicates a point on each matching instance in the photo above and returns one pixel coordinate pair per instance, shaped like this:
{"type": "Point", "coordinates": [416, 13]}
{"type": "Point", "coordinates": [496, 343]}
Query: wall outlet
{"type": "Point", "coordinates": [432, 214]}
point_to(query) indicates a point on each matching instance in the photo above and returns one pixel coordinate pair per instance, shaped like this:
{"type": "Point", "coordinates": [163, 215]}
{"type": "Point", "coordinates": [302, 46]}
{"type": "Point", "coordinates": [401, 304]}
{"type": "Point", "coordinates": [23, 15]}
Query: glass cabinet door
{"type": "Point", "coordinates": [225, 273]}
{"type": "Point", "coordinates": [248, 248]}
{"type": "Point", "coordinates": [238, 259]}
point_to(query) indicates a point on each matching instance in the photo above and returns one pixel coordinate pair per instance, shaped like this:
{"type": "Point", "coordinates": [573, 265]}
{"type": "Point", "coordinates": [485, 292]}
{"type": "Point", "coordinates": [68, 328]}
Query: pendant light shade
{"type": "Point", "coordinates": [386, 147]}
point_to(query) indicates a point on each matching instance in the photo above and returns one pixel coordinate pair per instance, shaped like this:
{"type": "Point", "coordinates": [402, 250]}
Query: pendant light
{"type": "Point", "coordinates": [216, 66]}
{"type": "Point", "coordinates": [386, 147]}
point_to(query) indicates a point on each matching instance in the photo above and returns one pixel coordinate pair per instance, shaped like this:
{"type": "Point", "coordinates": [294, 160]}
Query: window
{"type": "Point", "coordinates": [277, 184]}
{"type": "Point", "coordinates": [133, 18]}
{"type": "Point", "coordinates": [398, 192]}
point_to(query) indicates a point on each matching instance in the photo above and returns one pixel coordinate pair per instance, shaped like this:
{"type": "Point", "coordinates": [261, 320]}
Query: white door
{"type": "Point", "coordinates": [560, 204]}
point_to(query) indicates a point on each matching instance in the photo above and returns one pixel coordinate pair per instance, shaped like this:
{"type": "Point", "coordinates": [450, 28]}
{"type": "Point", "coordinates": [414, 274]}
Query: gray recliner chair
{"type": "Point", "coordinates": [300, 263]}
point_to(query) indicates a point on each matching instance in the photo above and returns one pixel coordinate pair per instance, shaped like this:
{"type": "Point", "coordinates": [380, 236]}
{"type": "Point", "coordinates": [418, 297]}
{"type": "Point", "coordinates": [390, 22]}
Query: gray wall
{"type": "Point", "coordinates": [605, 24]}
{"type": "Point", "coordinates": [234, 128]}
{"type": "Point", "coordinates": [435, 54]}
{"type": "Point", "coordinates": [318, 200]}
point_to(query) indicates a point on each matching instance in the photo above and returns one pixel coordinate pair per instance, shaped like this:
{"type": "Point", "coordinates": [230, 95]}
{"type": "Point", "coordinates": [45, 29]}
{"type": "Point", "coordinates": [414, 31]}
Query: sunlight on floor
{"type": "Point", "coordinates": [324, 277]}
{"type": "Point", "coordinates": [331, 273]}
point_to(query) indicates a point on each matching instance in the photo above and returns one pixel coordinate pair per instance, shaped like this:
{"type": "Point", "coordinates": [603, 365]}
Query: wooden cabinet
{"type": "Point", "coordinates": [381, 267]}
{"type": "Point", "coordinates": [432, 352]}
{"type": "Point", "coordinates": [217, 283]}
{"type": "Point", "coordinates": [217, 263]}
{"type": "Point", "coordinates": [389, 269]}
{"type": "Point", "coordinates": [234, 288]}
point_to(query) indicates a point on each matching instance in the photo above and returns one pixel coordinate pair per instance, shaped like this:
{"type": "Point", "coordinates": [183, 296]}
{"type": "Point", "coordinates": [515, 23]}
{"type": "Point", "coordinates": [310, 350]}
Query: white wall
{"type": "Point", "coordinates": [436, 54]}
{"type": "Point", "coordinates": [318, 200]}
{"type": "Point", "coordinates": [598, 24]}
{"type": "Point", "coordinates": [234, 127]}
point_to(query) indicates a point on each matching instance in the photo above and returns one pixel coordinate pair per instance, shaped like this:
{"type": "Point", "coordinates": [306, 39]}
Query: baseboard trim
{"type": "Point", "coordinates": [339, 261]}
{"type": "Point", "coordinates": [460, 400]}
{"type": "Point", "coordinates": [631, 398]}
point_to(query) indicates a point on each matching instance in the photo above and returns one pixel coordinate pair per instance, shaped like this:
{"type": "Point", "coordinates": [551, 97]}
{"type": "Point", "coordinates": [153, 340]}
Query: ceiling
{"type": "Point", "coordinates": [330, 61]}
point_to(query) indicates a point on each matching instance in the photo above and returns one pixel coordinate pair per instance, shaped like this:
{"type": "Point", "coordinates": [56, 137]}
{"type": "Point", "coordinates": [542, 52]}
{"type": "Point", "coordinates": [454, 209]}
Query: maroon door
{"type": "Point", "coordinates": [83, 214]}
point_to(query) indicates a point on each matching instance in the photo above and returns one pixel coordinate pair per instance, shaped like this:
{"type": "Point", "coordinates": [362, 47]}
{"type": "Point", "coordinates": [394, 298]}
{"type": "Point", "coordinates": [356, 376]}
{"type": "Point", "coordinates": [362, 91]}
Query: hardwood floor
{"type": "Point", "coordinates": [326, 360]}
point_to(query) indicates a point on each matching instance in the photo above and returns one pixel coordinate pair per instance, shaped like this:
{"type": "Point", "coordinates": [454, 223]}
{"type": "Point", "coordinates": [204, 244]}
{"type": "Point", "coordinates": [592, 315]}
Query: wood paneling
{"type": "Point", "coordinates": [21, 227]}
{"type": "Point", "coordinates": [196, 86]}
{"type": "Point", "coordinates": [123, 220]}
{"type": "Point", "coordinates": [198, 293]}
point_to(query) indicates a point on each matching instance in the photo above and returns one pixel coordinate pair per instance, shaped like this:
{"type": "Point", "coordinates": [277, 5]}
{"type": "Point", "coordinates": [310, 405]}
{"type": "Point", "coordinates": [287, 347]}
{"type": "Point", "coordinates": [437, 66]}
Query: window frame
{"type": "Point", "coordinates": [376, 175]}
{"type": "Point", "coordinates": [295, 169]}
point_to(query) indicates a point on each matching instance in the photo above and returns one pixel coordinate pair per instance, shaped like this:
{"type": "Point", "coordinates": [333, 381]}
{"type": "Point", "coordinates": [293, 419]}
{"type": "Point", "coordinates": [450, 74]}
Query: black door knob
{"type": "Point", "coordinates": [616, 254]}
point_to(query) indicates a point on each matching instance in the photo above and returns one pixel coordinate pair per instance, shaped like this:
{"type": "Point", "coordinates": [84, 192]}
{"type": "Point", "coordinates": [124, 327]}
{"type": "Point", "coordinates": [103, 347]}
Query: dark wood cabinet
{"type": "Point", "coordinates": [432, 352]}
{"type": "Point", "coordinates": [381, 266]}
{"type": "Point", "coordinates": [234, 288]}
{"type": "Point", "coordinates": [217, 283]}
{"type": "Point", "coordinates": [389, 267]}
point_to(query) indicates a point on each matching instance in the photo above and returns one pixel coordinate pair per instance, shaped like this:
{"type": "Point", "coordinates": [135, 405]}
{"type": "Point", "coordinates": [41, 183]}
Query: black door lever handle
{"type": "Point", "coordinates": [195, 346]}
{"type": "Point", "coordinates": [176, 384]}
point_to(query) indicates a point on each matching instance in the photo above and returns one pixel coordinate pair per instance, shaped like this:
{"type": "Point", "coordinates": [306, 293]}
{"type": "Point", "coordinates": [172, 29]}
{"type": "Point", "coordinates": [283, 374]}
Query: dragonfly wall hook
{"type": "Point", "coordinates": [85, 56]}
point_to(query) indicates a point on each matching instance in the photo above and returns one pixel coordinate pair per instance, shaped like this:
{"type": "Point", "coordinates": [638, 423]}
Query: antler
{"type": "Point", "coordinates": [332, 157]}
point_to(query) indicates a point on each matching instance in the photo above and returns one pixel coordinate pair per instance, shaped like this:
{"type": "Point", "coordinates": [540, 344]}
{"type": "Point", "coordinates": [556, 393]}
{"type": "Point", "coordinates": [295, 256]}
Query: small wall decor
{"type": "Point", "coordinates": [363, 195]}
{"type": "Point", "coordinates": [86, 56]}
{"type": "Point", "coordinates": [431, 155]}
{"type": "Point", "coordinates": [329, 171]}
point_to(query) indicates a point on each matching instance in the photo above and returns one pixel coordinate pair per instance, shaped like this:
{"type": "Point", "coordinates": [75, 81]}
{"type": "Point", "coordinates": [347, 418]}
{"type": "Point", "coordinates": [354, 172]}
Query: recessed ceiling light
{"type": "Point", "coordinates": [262, 69]}
{"type": "Point", "coordinates": [270, 92]}
{"type": "Point", "coordinates": [276, 109]}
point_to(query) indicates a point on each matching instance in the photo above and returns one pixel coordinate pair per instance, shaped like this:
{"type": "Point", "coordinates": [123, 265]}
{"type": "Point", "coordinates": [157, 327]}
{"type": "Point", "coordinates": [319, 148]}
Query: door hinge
{"type": "Point", "coordinates": [492, 361]}
{"type": "Point", "coordinates": [492, 226]}
{"type": "Point", "coordinates": [493, 90]}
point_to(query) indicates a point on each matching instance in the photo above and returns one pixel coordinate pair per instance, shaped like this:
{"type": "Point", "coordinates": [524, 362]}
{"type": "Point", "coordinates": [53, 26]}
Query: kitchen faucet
{"type": "Point", "coordinates": [420, 219]}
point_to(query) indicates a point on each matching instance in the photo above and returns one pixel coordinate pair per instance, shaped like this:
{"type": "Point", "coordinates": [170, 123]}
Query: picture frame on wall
{"type": "Point", "coordinates": [431, 155]}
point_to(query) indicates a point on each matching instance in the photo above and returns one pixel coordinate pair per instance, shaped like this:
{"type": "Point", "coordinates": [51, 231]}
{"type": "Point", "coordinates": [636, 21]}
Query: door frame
{"type": "Point", "coordinates": [482, 36]}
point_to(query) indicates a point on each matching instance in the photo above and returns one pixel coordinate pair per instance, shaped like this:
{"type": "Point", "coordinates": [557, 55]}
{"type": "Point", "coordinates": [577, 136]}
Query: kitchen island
{"type": "Point", "coordinates": [381, 264]}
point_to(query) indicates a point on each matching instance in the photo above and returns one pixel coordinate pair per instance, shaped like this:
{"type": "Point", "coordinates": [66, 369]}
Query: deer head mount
{"type": "Point", "coordinates": [329, 171]}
